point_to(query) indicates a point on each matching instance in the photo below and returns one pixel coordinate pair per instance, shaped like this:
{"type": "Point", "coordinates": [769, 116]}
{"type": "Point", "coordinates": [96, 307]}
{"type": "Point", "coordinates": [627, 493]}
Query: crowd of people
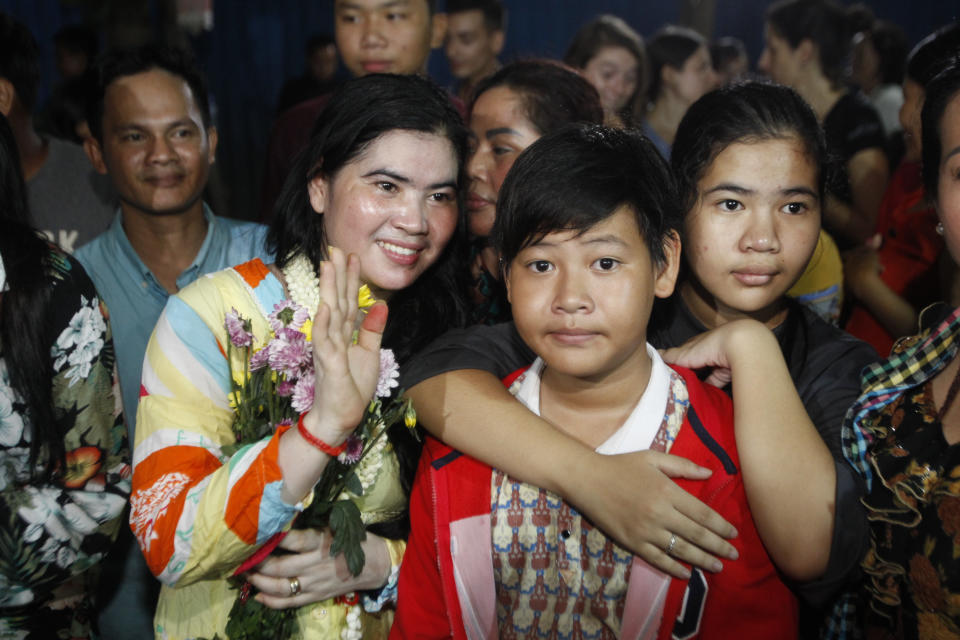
{"type": "Point", "coordinates": [674, 341]}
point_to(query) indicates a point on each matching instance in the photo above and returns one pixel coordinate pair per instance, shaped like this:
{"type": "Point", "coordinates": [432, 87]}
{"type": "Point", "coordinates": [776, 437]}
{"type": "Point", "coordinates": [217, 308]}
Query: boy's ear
{"type": "Point", "coordinates": [668, 269]}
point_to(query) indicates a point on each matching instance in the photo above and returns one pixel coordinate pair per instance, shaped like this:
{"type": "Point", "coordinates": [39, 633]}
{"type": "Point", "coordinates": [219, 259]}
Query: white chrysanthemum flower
{"type": "Point", "coordinates": [389, 372]}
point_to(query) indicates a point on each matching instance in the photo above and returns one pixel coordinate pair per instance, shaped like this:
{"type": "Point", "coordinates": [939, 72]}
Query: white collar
{"type": "Point", "coordinates": [640, 428]}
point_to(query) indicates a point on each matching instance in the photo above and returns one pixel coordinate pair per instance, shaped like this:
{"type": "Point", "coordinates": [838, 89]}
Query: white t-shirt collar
{"type": "Point", "coordinates": [640, 428]}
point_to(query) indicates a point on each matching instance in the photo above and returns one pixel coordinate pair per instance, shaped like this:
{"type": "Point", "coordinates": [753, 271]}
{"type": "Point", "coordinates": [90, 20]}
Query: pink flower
{"type": "Point", "coordinates": [354, 450]}
{"type": "Point", "coordinates": [259, 359]}
{"type": "Point", "coordinates": [238, 329]}
{"type": "Point", "coordinates": [285, 388]}
{"type": "Point", "coordinates": [389, 372]}
{"type": "Point", "coordinates": [302, 398]}
{"type": "Point", "coordinates": [290, 353]}
{"type": "Point", "coordinates": [287, 313]}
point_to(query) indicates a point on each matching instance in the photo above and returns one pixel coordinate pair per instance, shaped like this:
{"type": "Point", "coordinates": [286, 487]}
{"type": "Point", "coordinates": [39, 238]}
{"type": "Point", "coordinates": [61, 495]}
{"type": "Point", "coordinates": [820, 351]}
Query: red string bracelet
{"type": "Point", "coordinates": [333, 452]}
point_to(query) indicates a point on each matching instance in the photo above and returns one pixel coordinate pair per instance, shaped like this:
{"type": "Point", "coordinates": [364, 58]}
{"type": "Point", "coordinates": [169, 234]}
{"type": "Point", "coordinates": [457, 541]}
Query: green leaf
{"type": "Point", "coordinates": [353, 485]}
{"type": "Point", "coordinates": [251, 620]}
{"type": "Point", "coordinates": [348, 533]}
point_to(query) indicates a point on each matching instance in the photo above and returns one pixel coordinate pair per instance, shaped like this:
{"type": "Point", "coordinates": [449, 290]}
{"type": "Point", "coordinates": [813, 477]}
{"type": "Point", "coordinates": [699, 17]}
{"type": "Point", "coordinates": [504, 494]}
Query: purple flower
{"type": "Point", "coordinates": [389, 372]}
{"type": "Point", "coordinates": [285, 388]}
{"type": "Point", "coordinates": [287, 313]}
{"type": "Point", "coordinates": [238, 329]}
{"type": "Point", "coordinates": [302, 398]}
{"type": "Point", "coordinates": [290, 353]}
{"type": "Point", "coordinates": [354, 450]}
{"type": "Point", "coordinates": [259, 359]}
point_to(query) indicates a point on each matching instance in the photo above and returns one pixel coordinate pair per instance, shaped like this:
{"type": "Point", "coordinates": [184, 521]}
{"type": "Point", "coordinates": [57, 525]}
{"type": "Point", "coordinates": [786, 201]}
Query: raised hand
{"type": "Point", "coordinates": [346, 373]}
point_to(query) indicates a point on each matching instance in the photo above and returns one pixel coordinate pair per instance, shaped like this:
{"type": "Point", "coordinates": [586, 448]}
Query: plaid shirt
{"type": "Point", "coordinates": [915, 360]}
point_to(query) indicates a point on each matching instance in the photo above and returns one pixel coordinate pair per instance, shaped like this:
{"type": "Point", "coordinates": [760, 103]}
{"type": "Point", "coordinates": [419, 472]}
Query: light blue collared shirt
{"type": "Point", "coordinates": [135, 298]}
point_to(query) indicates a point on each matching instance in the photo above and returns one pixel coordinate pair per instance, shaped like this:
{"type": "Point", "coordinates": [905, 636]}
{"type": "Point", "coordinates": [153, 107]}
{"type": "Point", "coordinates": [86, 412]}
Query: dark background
{"type": "Point", "coordinates": [256, 44]}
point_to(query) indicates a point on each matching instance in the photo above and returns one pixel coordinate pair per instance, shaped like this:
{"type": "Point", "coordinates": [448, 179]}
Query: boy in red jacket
{"type": "Point", "coordinates": [586, 226]}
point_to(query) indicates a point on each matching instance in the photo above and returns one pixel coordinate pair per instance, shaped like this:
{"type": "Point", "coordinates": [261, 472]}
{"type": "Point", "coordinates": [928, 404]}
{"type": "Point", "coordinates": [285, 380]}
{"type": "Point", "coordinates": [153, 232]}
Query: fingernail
{"type": "Point", "coordinates": [733, 532]}
{"type": "Point", "coordinates": [734, 554]}
{"type": "Point", "coordinates": [716, 566]}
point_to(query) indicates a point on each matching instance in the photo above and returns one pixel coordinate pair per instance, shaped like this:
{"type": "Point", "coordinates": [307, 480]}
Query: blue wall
{"type": "Point", "coordinates": [256, 44]}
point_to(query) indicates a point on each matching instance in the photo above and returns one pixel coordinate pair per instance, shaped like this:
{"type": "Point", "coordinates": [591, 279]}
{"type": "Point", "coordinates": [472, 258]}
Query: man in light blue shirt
{"type": "Point", "coordinates": [150, 119]}
{"type": "Point", "coordinates": [135, 297]}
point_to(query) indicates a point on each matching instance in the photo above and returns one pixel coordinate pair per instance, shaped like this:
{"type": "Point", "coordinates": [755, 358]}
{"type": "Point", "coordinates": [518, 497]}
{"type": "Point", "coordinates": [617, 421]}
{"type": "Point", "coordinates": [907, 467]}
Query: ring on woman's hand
{"type": "Point", "coordinates": [668, 550]}
{"type": "Point", "coordinates": [295, 586]}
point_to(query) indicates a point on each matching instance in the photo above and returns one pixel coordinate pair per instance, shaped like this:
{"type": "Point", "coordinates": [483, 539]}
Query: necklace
{"type": "Point", "coordinates": [303, 285]}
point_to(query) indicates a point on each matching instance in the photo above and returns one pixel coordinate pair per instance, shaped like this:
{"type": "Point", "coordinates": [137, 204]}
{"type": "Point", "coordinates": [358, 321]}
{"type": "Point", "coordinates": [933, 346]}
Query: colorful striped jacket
{"type": "Point", "coordinates": [197, 513]}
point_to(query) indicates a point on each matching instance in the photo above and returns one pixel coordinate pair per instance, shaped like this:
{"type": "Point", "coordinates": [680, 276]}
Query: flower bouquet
{"type": "Point", "coordinates": [275, 386]}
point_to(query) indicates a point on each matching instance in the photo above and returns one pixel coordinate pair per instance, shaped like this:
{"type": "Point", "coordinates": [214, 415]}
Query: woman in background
{"type": "Point", "coordinates": [511, 109]}
{"type": "Point", "coordinates": [610, 55]}
{"type": "Point", "coordinates": [680, 72]}
{"type": "Point", "coordinates": [807, 44]}
{"type": "Point", "coordinates": [898, 271]}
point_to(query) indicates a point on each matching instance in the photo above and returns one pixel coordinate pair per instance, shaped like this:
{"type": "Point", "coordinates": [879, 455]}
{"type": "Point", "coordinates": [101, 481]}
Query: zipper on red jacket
{"type": "Point", "coordinates": [436, 536]}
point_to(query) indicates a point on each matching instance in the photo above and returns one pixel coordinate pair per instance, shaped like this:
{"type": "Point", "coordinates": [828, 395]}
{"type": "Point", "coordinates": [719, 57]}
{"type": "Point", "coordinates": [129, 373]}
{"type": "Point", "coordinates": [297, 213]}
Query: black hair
{"type": "Point", "coordinates": [576, 177]}
{"type": "Point", "coordinates": [939, 93]}
{"type": "Point", "coordinates": [553, 94]}
{"type": "Point", "coordinates": [343, 131]}
{"type": "Point", "coordinates": [494, 15]}
{"type": "Point", "coordinates": [19, 59]}
{"type": "Point", "coordinates": [890, 42]}
{"type": "Point", "coordinates": [317, 41]}
{"type": "Point", "coordinates": [78, 39]}
{"type": "Point", "coordinates": [742, 113]}
{"type": "Point", "coordinates": [671, 46]}
{"type": "Point", "coordinates": [25, 318]}
{"type": "Point", "coordinates": [931, 54]}
{"type": "Point", "coordinates": [66, 109]}
{"type": "Point", "coordinates": [860, 17]}
{"type": "Point", "coordinates": [116, 64]}
{"type": "Point", "coordinates": [822, 22]}
{"type": "Point", "coordinates": [725, 50]}
{"type": "Point", "coordinates": [608, 31]}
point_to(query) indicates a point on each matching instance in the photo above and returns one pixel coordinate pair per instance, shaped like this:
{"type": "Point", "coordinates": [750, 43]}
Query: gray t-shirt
{"type": "Point", "coordinates": [69, 201]}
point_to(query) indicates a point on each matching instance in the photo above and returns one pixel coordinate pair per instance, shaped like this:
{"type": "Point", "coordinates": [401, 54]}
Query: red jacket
{"type": "Point", "coordinates": [446, 584]}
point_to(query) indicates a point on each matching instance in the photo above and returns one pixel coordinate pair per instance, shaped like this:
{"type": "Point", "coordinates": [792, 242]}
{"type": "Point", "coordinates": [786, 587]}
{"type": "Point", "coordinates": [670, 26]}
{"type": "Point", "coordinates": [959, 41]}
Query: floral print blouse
{"type": "Point", "coordinates": [54, 533]}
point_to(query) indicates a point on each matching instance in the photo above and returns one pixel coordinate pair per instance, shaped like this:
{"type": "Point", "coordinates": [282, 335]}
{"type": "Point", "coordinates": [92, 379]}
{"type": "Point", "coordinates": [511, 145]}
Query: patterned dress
{"type": "Point", "coordinates": [198, 513]}
{"type": "Point", "coordinates": [55, 533]}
